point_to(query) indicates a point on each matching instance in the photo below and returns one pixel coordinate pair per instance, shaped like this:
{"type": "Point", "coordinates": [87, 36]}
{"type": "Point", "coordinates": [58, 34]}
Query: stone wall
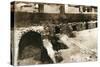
{"type": "Point", "coordinates": [28, 19]}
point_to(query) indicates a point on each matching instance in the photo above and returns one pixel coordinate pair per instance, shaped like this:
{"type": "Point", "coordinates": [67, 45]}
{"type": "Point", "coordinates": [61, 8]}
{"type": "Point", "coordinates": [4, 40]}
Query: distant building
{"type": "Point", "coordinates": [80, 9]}
{"type": "Point", "coordinates": [53, 8]}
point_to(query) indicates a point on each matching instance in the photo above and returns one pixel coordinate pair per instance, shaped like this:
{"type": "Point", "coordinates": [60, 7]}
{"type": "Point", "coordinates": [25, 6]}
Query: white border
{"type": "Point", "coordinates": [5, 32]}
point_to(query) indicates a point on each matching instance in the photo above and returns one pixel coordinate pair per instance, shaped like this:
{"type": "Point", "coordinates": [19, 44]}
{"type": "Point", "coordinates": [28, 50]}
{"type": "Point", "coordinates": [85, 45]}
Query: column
{"type": "Point", "coordinates": [41, 8]}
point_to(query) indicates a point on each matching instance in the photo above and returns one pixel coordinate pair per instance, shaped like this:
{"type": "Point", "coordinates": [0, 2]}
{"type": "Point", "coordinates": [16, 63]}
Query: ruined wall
{"type": "Point", "coordinates": [27, 19]}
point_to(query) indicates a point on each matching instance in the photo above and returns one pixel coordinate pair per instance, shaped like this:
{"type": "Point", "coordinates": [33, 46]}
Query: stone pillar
{"type": "Point", "coordinates": [16, 42]}
{"type": "Point", "coordinates": [41, 8]}
{"type": "Point", "coordinates": [81, 9]}
{"type": "Point", "coordinates": [62, 9]}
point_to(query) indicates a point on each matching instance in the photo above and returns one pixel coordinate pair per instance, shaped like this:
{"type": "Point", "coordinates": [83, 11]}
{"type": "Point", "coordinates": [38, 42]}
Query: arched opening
{"type": "Point", "coordinates": [31, 47]}
{"type": "Point", "coordinates": [74, 28]}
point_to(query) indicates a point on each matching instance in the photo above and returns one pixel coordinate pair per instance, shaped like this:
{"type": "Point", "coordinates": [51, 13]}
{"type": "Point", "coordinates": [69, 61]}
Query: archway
{"type": "Point", "coordinates": [74, 28]}
{"type": "Point", "coordinates": [31, 46]}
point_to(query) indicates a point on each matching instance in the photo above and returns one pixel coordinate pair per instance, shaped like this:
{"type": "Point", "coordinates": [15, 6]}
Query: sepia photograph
{"type": "Point", "coordinates": [51, 33]}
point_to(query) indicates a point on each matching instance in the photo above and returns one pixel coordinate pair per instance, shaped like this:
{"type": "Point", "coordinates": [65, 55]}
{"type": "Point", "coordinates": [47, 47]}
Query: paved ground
{"type": "Point", "coordinates": [82, 48]}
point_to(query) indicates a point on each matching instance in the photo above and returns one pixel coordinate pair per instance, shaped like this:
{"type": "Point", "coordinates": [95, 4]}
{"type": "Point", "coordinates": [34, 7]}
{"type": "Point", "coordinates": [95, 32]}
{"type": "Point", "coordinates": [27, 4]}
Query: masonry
{"type": "Point", "coordinates": [38, 17]}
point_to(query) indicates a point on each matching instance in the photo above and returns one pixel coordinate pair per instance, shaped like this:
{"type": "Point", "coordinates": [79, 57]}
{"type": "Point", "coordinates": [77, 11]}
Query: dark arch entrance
{"type": "Point", "coordinates": [74, 28]}
{"type": "Point", "coordinates": [31, 45]}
